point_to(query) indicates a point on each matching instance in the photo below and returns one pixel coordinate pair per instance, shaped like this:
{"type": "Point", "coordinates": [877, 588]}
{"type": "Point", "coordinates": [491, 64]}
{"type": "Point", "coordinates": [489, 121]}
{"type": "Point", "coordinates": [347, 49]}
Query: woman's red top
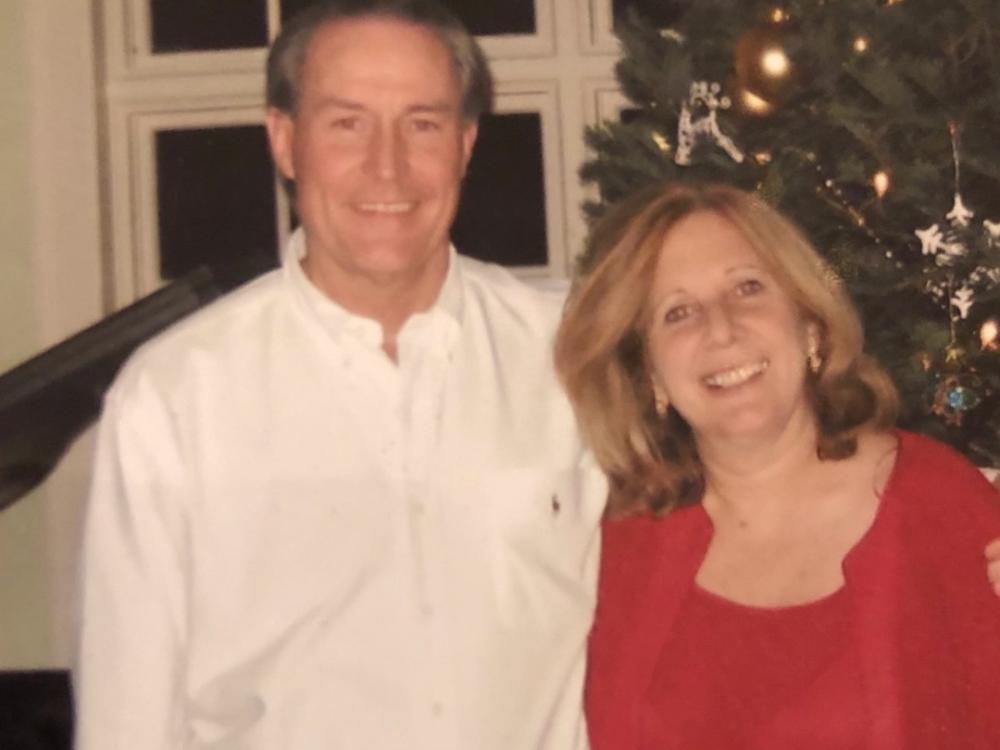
{"type": "Point", "coordinates": [905, 657]}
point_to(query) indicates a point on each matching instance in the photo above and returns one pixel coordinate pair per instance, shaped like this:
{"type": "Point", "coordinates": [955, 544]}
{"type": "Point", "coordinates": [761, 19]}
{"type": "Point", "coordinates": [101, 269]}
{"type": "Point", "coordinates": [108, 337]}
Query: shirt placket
{"type": "Point", "coordinates": [433, 689]}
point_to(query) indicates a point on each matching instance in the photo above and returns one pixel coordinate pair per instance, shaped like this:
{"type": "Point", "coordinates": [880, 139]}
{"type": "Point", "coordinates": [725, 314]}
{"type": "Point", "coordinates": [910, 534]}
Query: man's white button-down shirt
{"type": "Point", "coordinates": [294, 543]}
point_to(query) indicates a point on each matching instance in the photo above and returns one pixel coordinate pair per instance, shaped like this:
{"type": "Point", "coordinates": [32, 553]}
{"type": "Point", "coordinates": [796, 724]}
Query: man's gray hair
{"type": "Point", "coordinates": [288, 52]}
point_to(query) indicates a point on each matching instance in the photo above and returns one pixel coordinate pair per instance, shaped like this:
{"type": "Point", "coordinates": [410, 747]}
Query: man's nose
{"type": "Point", "coordinates": [386, 153]}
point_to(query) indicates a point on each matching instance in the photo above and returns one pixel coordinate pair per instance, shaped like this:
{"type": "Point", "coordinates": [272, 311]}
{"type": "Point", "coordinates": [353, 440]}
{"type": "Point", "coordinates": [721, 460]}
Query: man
{"type": "Point", "coordinates": [346, 506]}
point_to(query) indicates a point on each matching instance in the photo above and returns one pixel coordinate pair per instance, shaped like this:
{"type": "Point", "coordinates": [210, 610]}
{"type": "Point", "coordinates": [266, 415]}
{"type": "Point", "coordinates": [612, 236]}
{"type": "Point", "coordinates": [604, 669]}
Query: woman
{"type": "Point", "coordinates": [781, 568]}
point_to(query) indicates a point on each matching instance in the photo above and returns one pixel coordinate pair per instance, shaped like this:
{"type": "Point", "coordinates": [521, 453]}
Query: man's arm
{"type": "Point", "coordinates": [993, 563]}
{"type": "Point", "coordinates": [129, 665]}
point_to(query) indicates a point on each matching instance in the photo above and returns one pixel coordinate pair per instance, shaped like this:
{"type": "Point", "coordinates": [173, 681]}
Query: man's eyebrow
{"type": "Point", "coordinates": [432, 108]}
{"type": "Point", "coordinates": [335, 101]}
{"type": "Point", "coordinates": [435, 107]}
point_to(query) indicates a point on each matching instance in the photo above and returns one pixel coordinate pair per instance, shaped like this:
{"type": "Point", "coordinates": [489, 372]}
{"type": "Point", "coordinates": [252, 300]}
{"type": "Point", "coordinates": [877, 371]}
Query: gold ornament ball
{"type": "Point", "coordinates": [763, 65]}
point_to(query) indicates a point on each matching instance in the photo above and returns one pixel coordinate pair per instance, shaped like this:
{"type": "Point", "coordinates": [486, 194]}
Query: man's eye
{"type": "Point", "coordinates": [749, 287]}
{"type": "Point", "coordinates": [345, 123]}
{"type": "Point", "coordinates": [426, 126]}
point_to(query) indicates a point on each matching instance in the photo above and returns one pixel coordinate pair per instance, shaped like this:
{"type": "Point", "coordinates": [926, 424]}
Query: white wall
{"type": "Point", "coordinates": [23, 583]}
{"type": "Point", "coordinates": [50, 287]}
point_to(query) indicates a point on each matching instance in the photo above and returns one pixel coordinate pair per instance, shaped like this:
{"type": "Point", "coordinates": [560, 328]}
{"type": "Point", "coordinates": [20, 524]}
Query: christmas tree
{"type": "Point", "coordinates": [876, 127]}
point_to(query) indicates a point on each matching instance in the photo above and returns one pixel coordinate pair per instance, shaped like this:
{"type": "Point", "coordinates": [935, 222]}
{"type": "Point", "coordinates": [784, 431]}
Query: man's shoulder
{"type": "Point", "coordinates": [499, 289]}
{"type": "Point", "coordinates": [232, 321]}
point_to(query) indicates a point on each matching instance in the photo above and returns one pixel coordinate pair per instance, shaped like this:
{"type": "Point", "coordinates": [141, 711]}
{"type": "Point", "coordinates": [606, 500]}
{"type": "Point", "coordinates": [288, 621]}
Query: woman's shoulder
{"type": "Point", "coordinates": [645, 533]}
{"type": "Point", "coordinates": [638, 547]}
{"type": "Point", "coordinates": [926, 466]}
{"type": "Point", "coordinates": [942, 495]}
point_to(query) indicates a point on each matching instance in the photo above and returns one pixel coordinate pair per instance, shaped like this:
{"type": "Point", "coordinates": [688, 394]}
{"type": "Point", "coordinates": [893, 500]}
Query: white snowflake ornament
{"type": "Point", "coordinates": [963, 299]}
{"type": "Point", "coordinates": [993, 230]}
{"type": "Point", "coordinates": [959, 215]}
{"type": "Point", "coordinates": [704, 98]}
{"type": "Point", "coordinates": [931, 239]}
{"type": "Point", "coordinates": [935, 242]}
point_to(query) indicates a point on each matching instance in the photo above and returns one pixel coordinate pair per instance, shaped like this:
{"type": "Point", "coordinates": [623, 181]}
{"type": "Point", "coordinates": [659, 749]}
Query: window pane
{"type": "Point", "coordinates": [482, 18]}
{"type": "Point", "coordinates": [216, 202]}
{"type": "Point", "coordinates": [203, 25]}
{"type": "Point", "coordinates": [502, 213]}
{"type": "Point", "coordinates": [660, 13]}
{"type": "Point", "coordinates": [487, 18]}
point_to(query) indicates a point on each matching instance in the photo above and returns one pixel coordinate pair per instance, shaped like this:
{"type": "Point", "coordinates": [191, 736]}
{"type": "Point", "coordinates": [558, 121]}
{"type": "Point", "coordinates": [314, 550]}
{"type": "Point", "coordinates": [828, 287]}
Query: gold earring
{"type": "Point", "coordinates": [813, 358]}
{"type": "Point", "coordinates": [661, 406]}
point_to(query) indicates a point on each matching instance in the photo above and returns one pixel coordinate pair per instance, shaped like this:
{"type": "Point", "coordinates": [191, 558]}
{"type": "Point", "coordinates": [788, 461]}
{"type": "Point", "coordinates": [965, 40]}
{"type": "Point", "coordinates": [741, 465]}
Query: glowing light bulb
{"type": "Point", "coordinates": [860, 45]}
{"type": "Point", "coordinates": [988, 333]}
{"type": "Point", "coordinates": [774, 62]}
{"type": "Point", "coordinates": [881, 182]}
{"type": "Point", "coordinates": [778, 15]}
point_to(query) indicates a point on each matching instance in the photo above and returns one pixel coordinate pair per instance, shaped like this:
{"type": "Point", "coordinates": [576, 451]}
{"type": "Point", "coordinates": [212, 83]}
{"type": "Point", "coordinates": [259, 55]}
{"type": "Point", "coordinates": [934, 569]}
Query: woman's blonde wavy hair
{"type": "Point", "coordinates": [600, 353]}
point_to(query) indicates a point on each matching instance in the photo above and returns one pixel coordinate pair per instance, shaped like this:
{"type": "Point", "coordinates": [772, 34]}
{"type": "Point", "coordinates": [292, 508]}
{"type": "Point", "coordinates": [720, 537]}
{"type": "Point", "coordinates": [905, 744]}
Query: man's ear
{"type": "Point", "coordinates": [281, 136]}
{"type": "Point", "coordinates": [468, 141]}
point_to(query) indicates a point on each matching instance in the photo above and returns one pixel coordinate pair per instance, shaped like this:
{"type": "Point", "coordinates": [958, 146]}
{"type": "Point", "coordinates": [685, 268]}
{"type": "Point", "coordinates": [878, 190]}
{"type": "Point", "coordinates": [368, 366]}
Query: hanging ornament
{"type": "Point", "coordinates": [988, 333]}
{"type": "Point", "coordinates": [959, 215]}
{"type": "Point", "coordinates": [954, 396]}
{"type": "Point", "coordinates": [962, 300]}
{"type": "Point", "coordinates": [992, 230]}
{"type": "Point", "coordinates": [661, 142]}
{"type": "Point", "coordinates": [699, 119]}
{"type": "Point", "coordinates": [672, 34]}
{"type": "Point", "coordinates": [954, 353]}
{"type": "Point", "coordinates": [763, 66]}
{"type": "Point", "coordinates": [947, 245]}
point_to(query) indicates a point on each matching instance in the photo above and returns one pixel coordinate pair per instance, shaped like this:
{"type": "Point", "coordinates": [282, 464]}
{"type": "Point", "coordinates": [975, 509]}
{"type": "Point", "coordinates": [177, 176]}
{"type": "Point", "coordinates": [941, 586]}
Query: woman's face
{"type": "Point", "coordinates": [726, 344]}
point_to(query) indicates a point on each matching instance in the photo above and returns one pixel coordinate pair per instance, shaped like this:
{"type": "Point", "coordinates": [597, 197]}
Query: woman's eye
{"type": "Point", "coordinates": [677, 313]}
{"type": "Point", "coordinates": [749, 287]}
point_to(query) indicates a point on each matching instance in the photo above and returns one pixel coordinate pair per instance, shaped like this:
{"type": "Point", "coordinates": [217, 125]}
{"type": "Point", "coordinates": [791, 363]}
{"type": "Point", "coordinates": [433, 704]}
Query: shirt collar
{"type": "Point", "coordinates": [444, 316]}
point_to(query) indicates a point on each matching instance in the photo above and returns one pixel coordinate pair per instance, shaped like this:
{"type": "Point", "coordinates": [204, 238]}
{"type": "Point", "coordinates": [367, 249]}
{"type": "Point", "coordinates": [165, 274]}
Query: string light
{"type": "Point", "coordinates": [861, 45]}
{"type": "Point", "coordinates": [881, 182]}
{"type": "Point", "coordinates": [661, 143]}
{"type": "Point", "coordinates": [988, 334]}
{"type": "Point", "coordinates": [778, 15]}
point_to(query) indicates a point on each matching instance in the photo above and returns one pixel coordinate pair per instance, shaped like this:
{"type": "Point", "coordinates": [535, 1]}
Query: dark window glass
{"type": "Point", "coordinates": [502, 214]}
{"type": "Point", "coordinates": [216, 202]}
{"type": "Point", "coordinates": [203, 25]}
{"type": "Point", "coordinates": [488, 18]}
{"type": "Point", "coordinates": [481, 18]}
{"type": "Point", "coordinates": [660, 13]}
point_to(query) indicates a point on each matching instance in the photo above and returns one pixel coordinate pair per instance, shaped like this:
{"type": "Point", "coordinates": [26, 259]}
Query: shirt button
{"type": "Point", "coordinates": [436, 708]}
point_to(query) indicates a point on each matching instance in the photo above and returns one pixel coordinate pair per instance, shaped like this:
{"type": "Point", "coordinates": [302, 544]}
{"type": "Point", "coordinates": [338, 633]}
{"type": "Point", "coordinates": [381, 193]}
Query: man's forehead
{"type": "Point", "coordinates": [368, 46]}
